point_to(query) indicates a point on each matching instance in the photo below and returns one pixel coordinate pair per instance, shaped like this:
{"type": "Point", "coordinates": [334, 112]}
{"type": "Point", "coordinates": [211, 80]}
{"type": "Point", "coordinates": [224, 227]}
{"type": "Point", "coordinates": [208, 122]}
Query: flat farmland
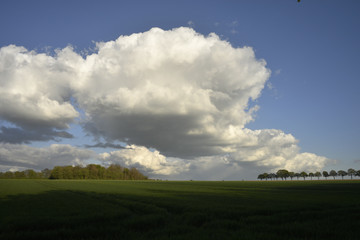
{"type": "Point", "coordinates": [92, 209]}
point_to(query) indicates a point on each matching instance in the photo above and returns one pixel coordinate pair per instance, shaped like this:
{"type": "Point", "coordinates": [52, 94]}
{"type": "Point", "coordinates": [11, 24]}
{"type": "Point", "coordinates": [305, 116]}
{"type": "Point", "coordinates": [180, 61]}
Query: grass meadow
{"type": "Point", "coordinates": [101, 209]}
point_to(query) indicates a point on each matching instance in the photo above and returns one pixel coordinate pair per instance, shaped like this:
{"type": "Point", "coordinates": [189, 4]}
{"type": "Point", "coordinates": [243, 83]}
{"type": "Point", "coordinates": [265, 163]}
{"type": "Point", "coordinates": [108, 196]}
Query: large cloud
{"type": "Point", "coordinates": [34, 91]}
{"type": "Point", "coordinates": [177, 91]}
{"type": "Point", "coordinates": [151, 162]}
{"type": "Point", "coordinates": [271, 150]}
{"type": "Point", "coordinates": [19, 135]}
{"type": "Point", "coordinates": [23, 156]}
{"type": "Point", "coordinates": [181, 100]}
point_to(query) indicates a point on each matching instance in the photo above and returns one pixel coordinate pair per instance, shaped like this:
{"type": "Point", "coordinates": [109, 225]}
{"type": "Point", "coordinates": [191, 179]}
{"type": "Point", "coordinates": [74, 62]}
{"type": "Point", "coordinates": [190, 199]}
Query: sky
{"type": "Point", "coordinates": [201, 90]}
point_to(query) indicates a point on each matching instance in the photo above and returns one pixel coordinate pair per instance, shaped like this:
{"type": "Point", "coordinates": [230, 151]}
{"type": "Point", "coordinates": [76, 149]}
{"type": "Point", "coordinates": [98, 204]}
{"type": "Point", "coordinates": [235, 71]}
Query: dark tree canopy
{"type": "Point", "coordinates": [325, 174]}
{"type": "Point", "coordinates": [283, 174]}
{"type": "Point", "coordinates": [342, 173]}
{"type": "Point", "coordinates": [333, 173]}
{"type": "Point", "coordinates": [351, 172]}
{"type": "Point", "coordinates": [318, 175]}
{"type": "Point", "coordinates": [91, 171]}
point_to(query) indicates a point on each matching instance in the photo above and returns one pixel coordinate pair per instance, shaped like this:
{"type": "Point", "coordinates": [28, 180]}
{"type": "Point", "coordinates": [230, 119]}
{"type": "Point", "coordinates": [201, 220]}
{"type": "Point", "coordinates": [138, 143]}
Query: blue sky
{"type": "Point", "coordinates": [311, 49]}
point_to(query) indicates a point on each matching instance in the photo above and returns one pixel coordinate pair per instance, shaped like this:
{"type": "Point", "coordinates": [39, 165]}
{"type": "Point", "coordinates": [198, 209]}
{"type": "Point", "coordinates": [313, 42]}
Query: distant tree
{"type": "Point", "coordinates": [101, 172]}
{"type": "Point", "coordinates": [311, 175]}
{"type": "Point", "coordinates": [291, 175]}
{"type": "Point", "coordinates": [272, 176]}
{"type": "Point", "coordinates": [297, 175]}
{"type": "Point", "coordinates": [84, 173]}
{"type": "Point", "coordinates": [283, 174]}
{"type": "Point", "coordinates": [261, 176]}
{"type": "Point", "coordinates": [76, 171]}
{"type": "Point", "coordinates": [333, 173]}
{"type": "Point", "coordinates": [304, 175]}
{"type": "Point", "coordinates": [92, 171]}
{"type": "Point", "coordinates": [56, 173]}
{"type": "Point", "coordinates": [29, 173]}
{"type": "Point", "coordinates": [9, 174]}
{"type": "Point", "coordinates": [266, 176]}
{"type": "Point", "coordinates": [126, 174]}
{"type": "Point", "coordinates": [68, 172]}
{"type": "Point", "coordinates": [136, 175]}
{"type": "Point", "coordinates": [357, 173]}
{"type": "Point", "coordinates": [19, 175]}
{"type": "Point", "coordinates": [318, 175]}
{"type": "Point", "coordinates": [325, 174]}
{"type": "Point", "coordinates": [96, 171]}
{"type": "Point", "coordinates": [46, 173]}
{"type": "Point", "coordinates": [342, 173]}
{"type": "Point", "coordinates": [351, 172]}
{"type": "Point", "coordinates": [114, 172]}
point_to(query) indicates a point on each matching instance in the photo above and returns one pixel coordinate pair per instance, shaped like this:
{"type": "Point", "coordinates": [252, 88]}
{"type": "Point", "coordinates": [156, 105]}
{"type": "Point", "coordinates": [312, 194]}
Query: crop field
{"type": "Point", "coordinates": [94, 209]}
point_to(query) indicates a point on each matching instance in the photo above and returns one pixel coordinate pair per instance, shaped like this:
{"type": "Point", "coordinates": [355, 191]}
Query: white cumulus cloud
{"type": "Point", "coordinates": [177, 91]}
{"type": "Point", "coordinates": [34, 90]}
{"type": "Point", "coordinates": [23, 156]}
{"type": "Point", "coordinates": [180, 101]}
{"type": "Point", "coordinates": [151, 162]}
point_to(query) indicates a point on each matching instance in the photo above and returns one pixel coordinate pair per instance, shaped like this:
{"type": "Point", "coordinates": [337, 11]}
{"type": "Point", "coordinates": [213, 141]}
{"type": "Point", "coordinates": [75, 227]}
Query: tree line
{"type": "Point", "coordinates": [285, 174]}
{"type": "Point", "coordinates": [91, 171]}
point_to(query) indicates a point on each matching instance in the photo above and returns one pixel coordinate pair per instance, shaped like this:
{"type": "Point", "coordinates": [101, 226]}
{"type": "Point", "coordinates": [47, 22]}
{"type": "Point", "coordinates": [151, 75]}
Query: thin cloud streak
{"type": "Point", "coordinates": [105, 145]}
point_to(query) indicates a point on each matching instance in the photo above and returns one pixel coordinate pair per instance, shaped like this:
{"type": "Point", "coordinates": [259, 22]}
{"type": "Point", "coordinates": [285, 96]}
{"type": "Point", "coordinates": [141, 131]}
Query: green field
{"type": "Point", "coordinates": [66, 209]}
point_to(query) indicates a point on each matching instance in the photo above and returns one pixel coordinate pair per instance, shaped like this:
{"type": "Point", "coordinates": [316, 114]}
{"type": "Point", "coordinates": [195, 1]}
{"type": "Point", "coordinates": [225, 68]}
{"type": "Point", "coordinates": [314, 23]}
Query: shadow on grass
{"type": "Point", "coordinates": [68, 214]}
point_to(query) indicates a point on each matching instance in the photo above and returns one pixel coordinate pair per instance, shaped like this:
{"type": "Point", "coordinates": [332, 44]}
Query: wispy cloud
{"type": "Point", "coordinates": [19, 135]}
{"type": "Point", "coordinates": [105, 145]}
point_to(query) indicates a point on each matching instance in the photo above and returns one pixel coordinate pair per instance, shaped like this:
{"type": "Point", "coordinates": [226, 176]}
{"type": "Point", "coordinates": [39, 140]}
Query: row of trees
{"type": "Point", "coordinates": [284, 174]}
{"type": "Point", "coordinates": [91, 171]}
